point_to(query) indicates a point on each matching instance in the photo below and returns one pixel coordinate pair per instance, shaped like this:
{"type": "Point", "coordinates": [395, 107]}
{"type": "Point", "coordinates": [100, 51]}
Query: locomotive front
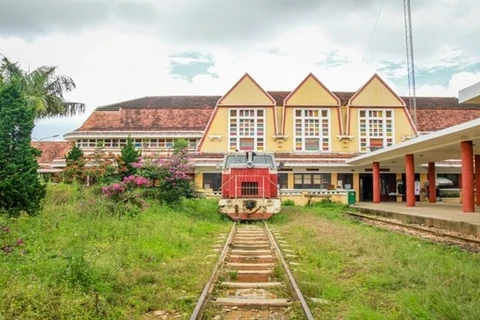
{"type": "Point", "coordinates": [249, 186]}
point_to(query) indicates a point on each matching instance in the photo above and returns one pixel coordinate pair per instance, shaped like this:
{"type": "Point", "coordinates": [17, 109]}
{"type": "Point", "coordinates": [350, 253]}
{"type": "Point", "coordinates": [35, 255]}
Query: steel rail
{"type": "Point", "coordinates": [437, 233]}
{"type": "Point", "coordinates": [291, 279]}
{"type": "Point", "coordinates": [201, 304]}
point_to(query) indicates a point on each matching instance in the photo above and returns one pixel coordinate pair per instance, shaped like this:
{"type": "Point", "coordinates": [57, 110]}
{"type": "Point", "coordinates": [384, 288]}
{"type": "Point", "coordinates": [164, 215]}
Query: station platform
{"type": "Point", "coordinates": [444, 215]}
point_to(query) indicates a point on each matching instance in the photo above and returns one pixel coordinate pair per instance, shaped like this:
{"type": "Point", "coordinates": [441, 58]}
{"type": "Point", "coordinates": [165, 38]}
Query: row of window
{"type": "Point", "coordinates": [139, 143]}
{"type": "Point", "coordinates": [301, 181]}
{"type": "Point", "coordinates": [312, 129]}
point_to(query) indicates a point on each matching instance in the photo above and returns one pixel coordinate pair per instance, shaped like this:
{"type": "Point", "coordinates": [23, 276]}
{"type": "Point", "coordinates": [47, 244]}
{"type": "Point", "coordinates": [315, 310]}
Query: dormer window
{"type": "Point", "coordinates": [375, 129]}
{"type": "Point", "coordinates": [246, 129]}
{"type": "Point", "coordinates": [312, 130]}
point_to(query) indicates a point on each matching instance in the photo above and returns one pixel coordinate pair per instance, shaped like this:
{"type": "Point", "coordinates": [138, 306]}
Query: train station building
{"type": "Point", "coordinates": [365, 141]}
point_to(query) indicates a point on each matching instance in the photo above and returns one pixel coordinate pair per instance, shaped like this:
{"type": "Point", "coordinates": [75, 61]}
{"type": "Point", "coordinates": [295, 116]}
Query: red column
{"type": "Point", "coordinates": [376, 182]}
{"type": "Point", "coordinates": [477, 178]}
{"type": "Point", "coordinates": [410, 177]}
{"type": "Point", "coordinates": [467, 176]}
{"type": "Point", "coordinates": [432, 185]}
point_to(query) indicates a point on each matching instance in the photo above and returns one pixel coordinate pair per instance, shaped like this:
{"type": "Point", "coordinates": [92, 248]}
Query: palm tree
{"type": "Point", "coordinates": [44, 89]}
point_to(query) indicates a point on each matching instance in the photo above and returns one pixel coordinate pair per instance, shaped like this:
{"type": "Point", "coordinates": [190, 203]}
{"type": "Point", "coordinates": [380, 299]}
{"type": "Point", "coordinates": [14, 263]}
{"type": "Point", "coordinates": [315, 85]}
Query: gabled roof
{"type": "Point", "coordinates": [321, 86]}
{"type": "Point", "coordinates": [385, 85]}
{"type": "Point", "coordinates": [246, 80]}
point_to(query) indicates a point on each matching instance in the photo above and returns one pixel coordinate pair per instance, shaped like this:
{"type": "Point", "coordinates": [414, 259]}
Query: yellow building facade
{"type": "Point", "coordinates": [311, 130]}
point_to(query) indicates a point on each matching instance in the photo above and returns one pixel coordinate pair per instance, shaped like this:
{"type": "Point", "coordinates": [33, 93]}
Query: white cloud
{"type": "Point", "coordinates": [111, 63]}
{"type": "Point", "coordinates": [457, 82]}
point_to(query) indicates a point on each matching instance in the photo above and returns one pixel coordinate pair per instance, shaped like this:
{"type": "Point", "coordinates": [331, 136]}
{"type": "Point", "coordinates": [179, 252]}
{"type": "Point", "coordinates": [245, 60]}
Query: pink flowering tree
{"type": "Point", "coordinates": [126, 196]}
{"type": "Point", "coordinates": [170, 176]}
{"type": "Point", "coordinates": [175, 182]}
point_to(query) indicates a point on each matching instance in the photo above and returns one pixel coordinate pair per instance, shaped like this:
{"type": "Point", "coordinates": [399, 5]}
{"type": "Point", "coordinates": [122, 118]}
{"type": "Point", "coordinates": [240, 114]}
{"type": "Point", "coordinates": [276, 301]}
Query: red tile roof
{"type": "Point", "coordinates": [165, 102]}
{"type": "Point", "coordinates": [52, 150]}
{"type": "Point", "coordinates": [437, 119]}
{"type": "Point", "coordinates": [194, 119]}
{"type": "Point", "coordinates": [192, 113]}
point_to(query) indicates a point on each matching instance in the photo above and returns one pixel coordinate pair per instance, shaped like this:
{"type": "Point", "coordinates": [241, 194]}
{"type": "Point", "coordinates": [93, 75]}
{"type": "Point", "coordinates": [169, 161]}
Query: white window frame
{"type": "Point", "coordinates": [369, 137]}
{"type": "Point", "coordinates": [320, 135]}
{"type": "Point", "coordinates": [255, 136]}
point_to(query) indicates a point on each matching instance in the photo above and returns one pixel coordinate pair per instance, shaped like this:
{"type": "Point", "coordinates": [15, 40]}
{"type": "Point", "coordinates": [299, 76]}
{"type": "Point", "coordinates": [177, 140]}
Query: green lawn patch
{"type": "Point", "coordinates": [74, 263]}
{"type": "Point", "coordinates": [358, 271]}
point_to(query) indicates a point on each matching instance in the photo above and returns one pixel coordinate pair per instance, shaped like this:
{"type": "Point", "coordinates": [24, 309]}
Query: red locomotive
{"type": "Point", "coordinates": [249, 186]}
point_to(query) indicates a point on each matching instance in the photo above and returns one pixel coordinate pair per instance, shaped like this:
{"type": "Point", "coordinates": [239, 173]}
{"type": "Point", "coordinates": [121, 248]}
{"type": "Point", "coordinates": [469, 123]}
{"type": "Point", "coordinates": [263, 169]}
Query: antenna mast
{"type": "Point", "coordinates": [410, 61]}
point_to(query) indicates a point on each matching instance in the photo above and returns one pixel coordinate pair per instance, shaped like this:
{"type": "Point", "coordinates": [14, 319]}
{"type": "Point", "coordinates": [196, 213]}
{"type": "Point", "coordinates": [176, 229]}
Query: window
{"type": "Point", "coordinates": [283, 180]}
{"type": "Point", "coordinates": [312, 180]}
{"type": "Point", "coordinates": [247, 129]}
{"type": "Point", "coordinates": [345, 181]}
{"type": "Point", "coordinates": [375, 129]}
{"type": "Point", "coordinates": [242, 159]}
{"type": "Point", "coordinates": [312, 130]}
{"type": "Point", "coordinates": [212, 181]}
{"type": "Point", "coordinates": [192, 144]}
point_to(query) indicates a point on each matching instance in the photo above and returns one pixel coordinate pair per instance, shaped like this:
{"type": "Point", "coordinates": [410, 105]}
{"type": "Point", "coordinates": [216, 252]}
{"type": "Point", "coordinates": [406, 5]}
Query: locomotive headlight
{"type": "Point", "coordinates": [269, 202]}
{"type": "Point", "coordinates": [229, 202]}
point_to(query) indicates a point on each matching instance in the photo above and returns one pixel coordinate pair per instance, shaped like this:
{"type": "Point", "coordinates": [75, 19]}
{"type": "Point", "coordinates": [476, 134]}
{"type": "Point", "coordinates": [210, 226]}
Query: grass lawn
{"type": "Point", "coordinates": [75, 264]}
{"type": "Point", "coordinates": [361, 272]}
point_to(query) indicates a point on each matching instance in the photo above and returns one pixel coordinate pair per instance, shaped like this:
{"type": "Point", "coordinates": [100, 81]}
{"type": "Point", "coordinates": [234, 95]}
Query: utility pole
{"type": "Point", "coordinates": [412, 101]}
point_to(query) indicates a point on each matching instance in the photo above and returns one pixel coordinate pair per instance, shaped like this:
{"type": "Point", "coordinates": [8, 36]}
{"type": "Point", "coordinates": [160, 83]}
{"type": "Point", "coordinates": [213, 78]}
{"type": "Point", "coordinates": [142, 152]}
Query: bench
{"type": "Point", "coordinates": [317, 195]}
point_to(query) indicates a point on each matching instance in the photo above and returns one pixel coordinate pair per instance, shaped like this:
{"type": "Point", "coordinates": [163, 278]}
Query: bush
{"type": "Point", "coordinates": [288, 203]}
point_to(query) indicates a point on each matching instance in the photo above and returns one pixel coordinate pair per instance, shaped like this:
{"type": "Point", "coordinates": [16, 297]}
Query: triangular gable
{"type": "Point", "coordinates": [311, 92]}
{"type": "Point", "coordinates": [246, 92]}
{"type": "Point", "coordinates": [376, 93]}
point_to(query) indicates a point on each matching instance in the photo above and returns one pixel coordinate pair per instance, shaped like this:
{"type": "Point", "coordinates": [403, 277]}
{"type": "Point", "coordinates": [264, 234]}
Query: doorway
{"type": "Point", "coordinates": [388, 187]}
{"type": "Point", "coordinates": [366, 187]}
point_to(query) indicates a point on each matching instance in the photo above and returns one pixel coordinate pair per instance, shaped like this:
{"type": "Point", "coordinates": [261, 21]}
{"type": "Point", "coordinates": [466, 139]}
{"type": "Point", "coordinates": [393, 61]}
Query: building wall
{"type": "Point", "coordinates": [279, 125]}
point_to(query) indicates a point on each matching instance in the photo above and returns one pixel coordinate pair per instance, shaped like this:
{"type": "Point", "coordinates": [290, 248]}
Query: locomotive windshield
{"type": "Point", "coordinates": [240, 159]}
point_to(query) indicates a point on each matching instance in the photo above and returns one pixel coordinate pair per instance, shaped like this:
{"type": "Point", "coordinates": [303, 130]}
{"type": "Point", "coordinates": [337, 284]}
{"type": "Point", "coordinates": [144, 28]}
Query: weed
{"type": "Point", "coordinates": [79, 262]}
{"type": "Point", "coordinates": [367, 273]}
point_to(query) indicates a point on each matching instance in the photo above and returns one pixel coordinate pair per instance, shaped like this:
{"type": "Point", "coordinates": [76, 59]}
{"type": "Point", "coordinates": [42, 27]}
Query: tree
{"type": "Point", "coordinates": [20, 187]}
{"type": "Point", "coordinates": [44, 90]}
{"type": "Point", "coordinates": [128, 155]}
{"type": "Point", "coordinates": [74, 154]}
{"type": "Point", "coordinates": [175, 182]}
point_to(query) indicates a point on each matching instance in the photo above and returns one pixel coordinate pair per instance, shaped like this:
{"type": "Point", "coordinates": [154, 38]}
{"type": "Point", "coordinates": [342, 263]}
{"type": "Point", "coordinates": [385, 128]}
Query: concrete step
{"type": "Point", "coordinates": [252, 246]}
{"type": "Point", "coordinates": [259, 252]}
{"type": "Point", "coordinates": [248, 239]}
{"type": "Point", "coordinates": [251, 275]}
{"type": "Point", "coordinates": [254, 285]}
{"type": "Point", "coordinates": [249, 266]}
{"type": "Point", "coordinates": [247, 242]}
{"type": "Point", "coordinates": [255, 233]}
{"type": "Point", "coordinates": [252, 303]}
{"type": "Point", "coordinates": [251, 259]}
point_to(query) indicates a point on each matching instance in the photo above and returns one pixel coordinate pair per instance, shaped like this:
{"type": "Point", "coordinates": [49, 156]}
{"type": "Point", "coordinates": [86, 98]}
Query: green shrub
{"type": "Point", "coordinates": [288, 203]}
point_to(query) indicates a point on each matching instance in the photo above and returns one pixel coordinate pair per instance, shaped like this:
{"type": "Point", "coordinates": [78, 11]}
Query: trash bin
{"type": "Point", "coordinates": [351, 197]}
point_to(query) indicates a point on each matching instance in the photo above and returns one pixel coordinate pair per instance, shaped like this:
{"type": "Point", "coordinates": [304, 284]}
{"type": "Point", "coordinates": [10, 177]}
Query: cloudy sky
{"type": "Point", "coordinates": [119, 50]}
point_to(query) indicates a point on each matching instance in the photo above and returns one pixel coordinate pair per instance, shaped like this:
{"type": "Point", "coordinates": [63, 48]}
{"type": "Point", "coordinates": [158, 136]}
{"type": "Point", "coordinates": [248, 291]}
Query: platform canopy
{"type": "Point", "coordinates": [470, 95]}
{"type": "Point", "coordinates": [434, 147]}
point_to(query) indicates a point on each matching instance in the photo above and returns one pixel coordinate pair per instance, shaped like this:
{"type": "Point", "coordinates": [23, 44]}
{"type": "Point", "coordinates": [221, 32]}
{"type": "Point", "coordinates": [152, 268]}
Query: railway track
{"type": "Point", "coordinates": [472, 244]}
{"type": "Point", "coordinates": [251, 279]}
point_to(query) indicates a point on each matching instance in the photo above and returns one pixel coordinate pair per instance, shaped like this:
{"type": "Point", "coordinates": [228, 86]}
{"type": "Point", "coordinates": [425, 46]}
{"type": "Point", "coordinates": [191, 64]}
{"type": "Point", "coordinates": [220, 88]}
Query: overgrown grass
{"type": "Point", "coordinates": [362, 272]}
{"type": "Point", "coordinates": [76, 263]}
